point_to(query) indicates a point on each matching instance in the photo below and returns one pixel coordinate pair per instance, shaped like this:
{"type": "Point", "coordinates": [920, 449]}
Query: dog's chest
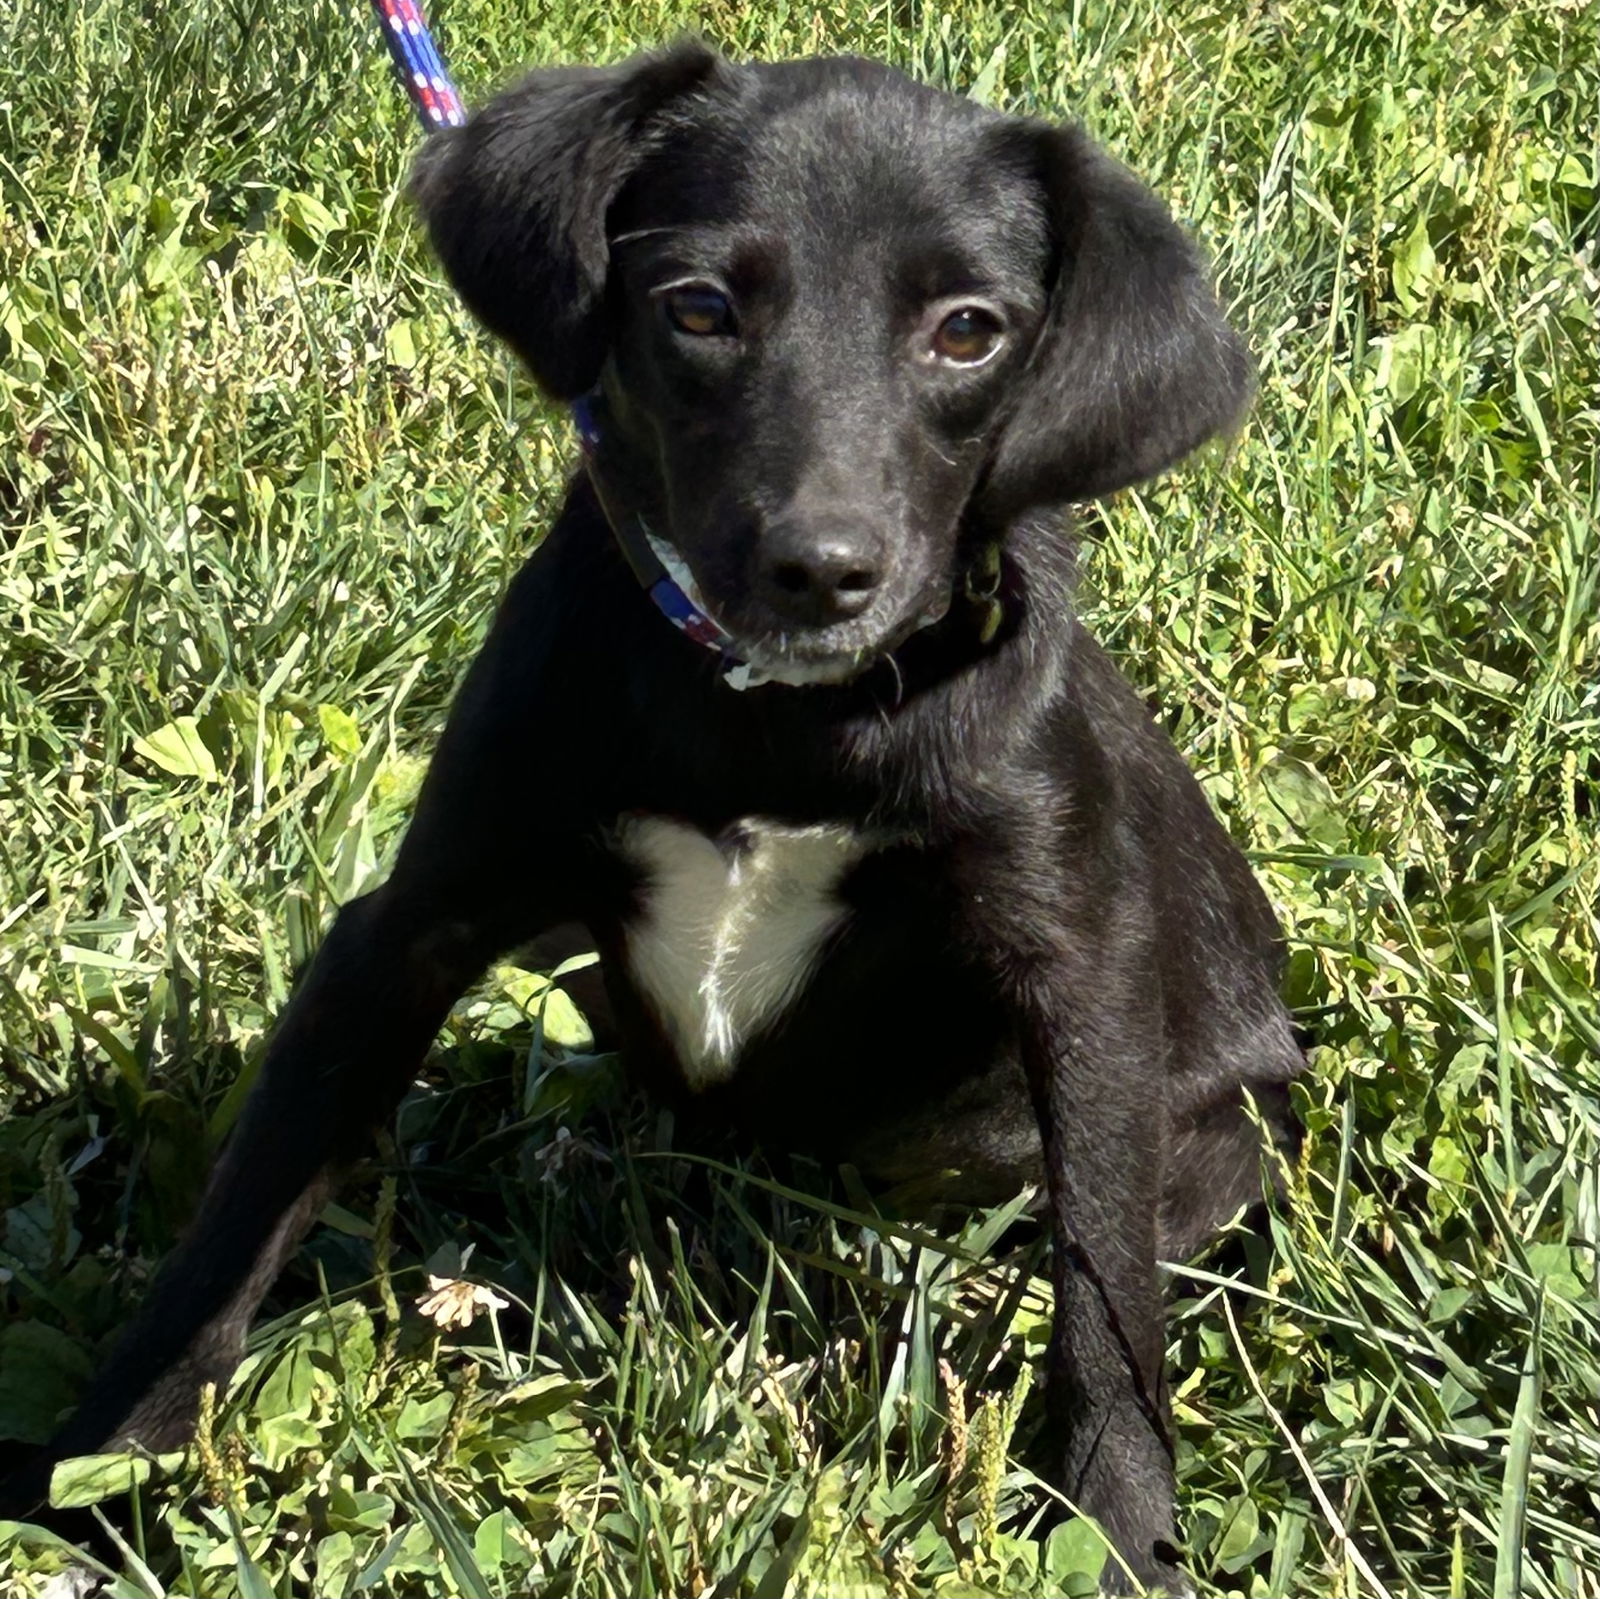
{"type": "Point", "coordinates": [729, 930]}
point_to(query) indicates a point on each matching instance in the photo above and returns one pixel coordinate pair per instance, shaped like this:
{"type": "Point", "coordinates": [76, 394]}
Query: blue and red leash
{"type": "Point", "coordinates": [418, 64]}
{"type": "Point", "coordinates": [420, 67]}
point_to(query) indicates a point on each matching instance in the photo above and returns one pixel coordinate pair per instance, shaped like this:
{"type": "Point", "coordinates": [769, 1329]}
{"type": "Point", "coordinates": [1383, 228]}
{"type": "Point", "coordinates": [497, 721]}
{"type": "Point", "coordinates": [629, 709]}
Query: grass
{"type": "Point", "coordinates": [260, 486]}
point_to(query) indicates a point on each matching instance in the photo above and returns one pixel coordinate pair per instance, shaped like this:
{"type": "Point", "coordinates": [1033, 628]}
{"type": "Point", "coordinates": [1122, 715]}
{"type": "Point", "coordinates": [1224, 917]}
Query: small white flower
{"type": "Point", "coordinates": [449, 1302]}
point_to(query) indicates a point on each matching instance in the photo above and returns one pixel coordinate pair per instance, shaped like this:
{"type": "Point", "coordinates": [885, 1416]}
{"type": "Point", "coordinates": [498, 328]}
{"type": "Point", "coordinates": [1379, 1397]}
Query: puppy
{"type": "Point", "coordinates": [884, 859]}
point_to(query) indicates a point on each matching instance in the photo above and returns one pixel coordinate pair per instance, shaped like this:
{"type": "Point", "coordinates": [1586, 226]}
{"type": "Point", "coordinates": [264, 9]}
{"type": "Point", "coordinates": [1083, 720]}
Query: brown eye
{"type": "Point", "coordinates": [969, 336]}
{"type": "Point", "coordinates": [699, 310]}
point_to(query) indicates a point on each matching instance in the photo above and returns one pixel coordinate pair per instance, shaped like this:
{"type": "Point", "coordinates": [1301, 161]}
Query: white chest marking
{"type": "Point", "coordinates": [730, 934]}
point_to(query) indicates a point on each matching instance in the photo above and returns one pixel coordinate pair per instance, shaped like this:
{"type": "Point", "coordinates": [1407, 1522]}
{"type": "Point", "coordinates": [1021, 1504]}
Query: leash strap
{"type": "Point", "coordinates": [661, 572]}
{"type": "Point", "coordinates": [418, 64]}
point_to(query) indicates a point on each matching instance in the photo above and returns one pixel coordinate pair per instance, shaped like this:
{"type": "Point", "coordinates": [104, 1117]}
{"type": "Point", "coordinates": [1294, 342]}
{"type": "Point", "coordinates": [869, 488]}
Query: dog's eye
{"type": "Point", "coordinates": [698, 309]}
{"type": "Point", "coordinates": [969, 336]}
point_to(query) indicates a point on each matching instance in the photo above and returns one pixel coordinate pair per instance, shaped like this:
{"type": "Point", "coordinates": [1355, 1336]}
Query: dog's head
{"type": "Point", "coordinates": [847, 328]}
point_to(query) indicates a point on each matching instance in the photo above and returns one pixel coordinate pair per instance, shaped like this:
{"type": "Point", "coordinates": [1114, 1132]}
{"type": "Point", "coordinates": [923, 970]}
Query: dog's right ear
{"type": "Point", "coordinates": [516, 201]}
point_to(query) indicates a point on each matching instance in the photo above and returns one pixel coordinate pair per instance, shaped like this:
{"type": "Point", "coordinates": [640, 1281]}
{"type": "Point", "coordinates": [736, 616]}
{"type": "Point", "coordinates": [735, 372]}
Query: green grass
{"type": "Point", "coordinates": [260, 486]}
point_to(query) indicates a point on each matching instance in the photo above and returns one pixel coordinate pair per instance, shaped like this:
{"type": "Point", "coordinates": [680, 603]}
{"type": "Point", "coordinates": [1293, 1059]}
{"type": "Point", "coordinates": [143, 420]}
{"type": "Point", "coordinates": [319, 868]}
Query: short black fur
{"type": "Point", "coordinates": [1054, 966]}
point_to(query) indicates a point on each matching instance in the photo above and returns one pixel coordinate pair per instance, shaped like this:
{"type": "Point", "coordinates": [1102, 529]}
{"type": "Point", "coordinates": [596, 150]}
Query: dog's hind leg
{"type": "Point", "coordinates": [1219, 1155]}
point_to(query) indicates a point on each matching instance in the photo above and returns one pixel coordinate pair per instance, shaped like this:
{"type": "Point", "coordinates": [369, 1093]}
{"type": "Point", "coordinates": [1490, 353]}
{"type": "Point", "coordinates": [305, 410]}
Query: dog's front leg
{"type": "Point", "coordinates": [1101, 1135]}
{"type": "Point", "coordinates": [341, 1056]}
{"type": "Point", "coordinates": [343, 1053]}
{"type": "Point", "coordinates": [487, 863]}
{"type": "Point", "coordinates": [1086, 1009]}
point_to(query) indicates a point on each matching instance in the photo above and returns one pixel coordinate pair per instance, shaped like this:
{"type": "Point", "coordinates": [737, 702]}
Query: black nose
{"type": "Point", "coordinates": [813, 573]}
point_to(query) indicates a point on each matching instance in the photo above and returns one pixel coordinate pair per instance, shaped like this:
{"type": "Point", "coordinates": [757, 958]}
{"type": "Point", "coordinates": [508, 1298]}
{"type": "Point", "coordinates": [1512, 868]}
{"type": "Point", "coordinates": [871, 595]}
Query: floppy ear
{"type": "Point", "coordinates": [1135, 366]}
{"type": "Point", "coordinates": [516, 202]}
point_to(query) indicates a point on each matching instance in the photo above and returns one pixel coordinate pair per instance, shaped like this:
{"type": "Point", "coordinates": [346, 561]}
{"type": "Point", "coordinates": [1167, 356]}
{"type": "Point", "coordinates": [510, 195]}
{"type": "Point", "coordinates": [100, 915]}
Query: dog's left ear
{"type": "Point", "coordinates": [516, 201]}
{"type": "Point", "coordinates": [1135, 365]}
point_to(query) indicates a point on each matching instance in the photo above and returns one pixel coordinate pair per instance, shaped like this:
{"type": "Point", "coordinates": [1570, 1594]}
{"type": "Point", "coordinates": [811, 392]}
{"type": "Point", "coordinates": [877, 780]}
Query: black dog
{"type": "Point", "coordinates": [899, 870]}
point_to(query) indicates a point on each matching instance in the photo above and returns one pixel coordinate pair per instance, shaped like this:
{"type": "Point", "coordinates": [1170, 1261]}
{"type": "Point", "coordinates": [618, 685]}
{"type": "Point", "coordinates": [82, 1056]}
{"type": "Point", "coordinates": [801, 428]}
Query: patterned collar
{"type": "Point", "coordinates": [661, 571]}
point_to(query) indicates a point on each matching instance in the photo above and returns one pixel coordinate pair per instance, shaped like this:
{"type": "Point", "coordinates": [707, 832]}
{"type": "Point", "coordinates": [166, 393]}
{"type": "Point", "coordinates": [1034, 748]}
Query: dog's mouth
{"type": "Point", "coordinates": [805, 667]}
{"type": "Point", "coordinates": [807, 662]}
{"type": "Point", "coordinates": [817, 657]}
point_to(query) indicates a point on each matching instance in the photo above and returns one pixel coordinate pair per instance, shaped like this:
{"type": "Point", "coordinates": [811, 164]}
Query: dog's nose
{"type": "Point", "coordinates": [816, 573]}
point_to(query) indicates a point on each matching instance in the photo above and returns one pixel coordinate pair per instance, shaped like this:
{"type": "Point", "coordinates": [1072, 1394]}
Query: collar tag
{"type": "Point", "coordinates": [982, 585]}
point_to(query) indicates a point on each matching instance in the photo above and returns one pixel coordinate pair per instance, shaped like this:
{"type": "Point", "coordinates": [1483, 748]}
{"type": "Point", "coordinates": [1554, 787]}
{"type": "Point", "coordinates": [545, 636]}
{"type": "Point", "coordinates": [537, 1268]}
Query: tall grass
{"type": "Point", "coordinates": [260, 486]}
